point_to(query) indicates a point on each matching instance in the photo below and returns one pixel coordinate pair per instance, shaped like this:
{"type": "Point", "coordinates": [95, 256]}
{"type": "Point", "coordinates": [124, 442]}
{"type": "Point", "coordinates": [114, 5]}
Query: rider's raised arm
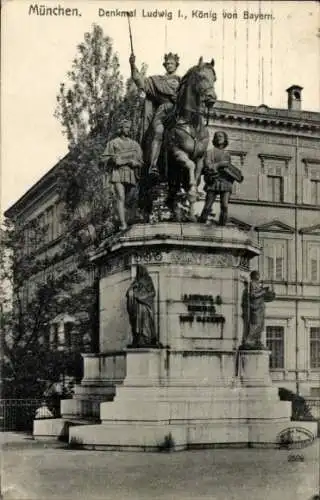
{"type": "Point", "coordinates": [138, 79]}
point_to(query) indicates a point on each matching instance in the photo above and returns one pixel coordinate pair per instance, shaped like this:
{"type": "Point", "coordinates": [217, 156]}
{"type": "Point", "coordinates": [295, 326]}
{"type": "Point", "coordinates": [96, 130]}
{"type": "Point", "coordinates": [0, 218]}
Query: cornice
{"type": "Point", "coordinates": [275, 226]}
{"type": "Point", "coordinates": [245, 226]}
{"type": "Point", "coordinates": [240, 154]}
{"type": "Point", "coordinates": [284, 158]}
{"type": "Point", "coordinates": [267, 156]}
{"type": "Point", "coordinates": [273, 204]}
{"type": "Point", "coordinates": [297, 120]}
{"type": "Point", "coordinates": [311, 161]}
{"type": "Point", "coordinates": [315, 229]}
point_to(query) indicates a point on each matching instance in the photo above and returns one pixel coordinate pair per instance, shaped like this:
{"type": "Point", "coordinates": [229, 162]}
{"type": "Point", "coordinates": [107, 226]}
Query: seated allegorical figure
{"type": "Point", "coordinates": [140, 307]}
{"type": "Point", "coordinates": [254, 297]}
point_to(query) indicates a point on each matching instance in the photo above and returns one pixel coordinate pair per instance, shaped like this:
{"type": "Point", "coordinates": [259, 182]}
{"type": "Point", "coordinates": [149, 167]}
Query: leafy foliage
{"type": "Point", "coordinates": [300, 409]}
{"type": "Point", "coordinates": [89, 106]}
{"type": "Point", "coordinates": [93, 91]}
{"type": "Point", "coordinates": [33, 295]}
{"type": "Point", "coordinates": [90, 111]}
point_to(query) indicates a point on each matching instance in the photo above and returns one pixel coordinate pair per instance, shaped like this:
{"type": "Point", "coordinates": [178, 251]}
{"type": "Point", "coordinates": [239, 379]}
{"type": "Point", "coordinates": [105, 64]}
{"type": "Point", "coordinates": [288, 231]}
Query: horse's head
{"type": "Point", "coordinates": [205, 78]}
{"type": "Point", "coordinates": [197, 87]}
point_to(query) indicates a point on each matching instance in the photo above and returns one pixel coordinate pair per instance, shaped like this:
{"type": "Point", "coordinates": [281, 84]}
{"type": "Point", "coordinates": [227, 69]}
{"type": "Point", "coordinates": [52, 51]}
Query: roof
{"type": "Point", "coordinates": [272, 113]}
{"type": "Point", "coordinates": [46, 181]}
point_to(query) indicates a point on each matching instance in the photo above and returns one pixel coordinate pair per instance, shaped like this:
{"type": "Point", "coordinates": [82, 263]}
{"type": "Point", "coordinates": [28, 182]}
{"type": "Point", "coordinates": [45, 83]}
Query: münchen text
{"type": "Point", "coordinates": [36, 9]}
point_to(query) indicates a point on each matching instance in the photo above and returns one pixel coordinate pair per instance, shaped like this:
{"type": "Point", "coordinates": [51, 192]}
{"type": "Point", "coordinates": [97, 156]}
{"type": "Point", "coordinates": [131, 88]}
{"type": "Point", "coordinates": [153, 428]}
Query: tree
{"type": "Point", "coordinates": [87, 101]}
{"type": "Point", "coordinates": [89, 107]}
{"type": "Point", "coordinates": [132, 106]}
{"type": "Point", "coordinates": [30, 299]}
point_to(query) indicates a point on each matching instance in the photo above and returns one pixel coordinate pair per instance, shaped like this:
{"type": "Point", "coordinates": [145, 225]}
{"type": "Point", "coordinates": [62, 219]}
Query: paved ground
{"type": "Point", "coordinates": [32, 470]}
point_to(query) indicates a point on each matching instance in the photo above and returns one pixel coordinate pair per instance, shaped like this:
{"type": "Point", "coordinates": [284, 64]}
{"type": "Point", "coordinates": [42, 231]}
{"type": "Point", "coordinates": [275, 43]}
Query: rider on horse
{"type": "Point", "coordinates": [161, 93]}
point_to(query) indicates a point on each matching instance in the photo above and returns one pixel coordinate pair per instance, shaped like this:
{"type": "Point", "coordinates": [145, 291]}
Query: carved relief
{"type": "Point", "coordinates": [244, 262]}
{"type": "Point", "coordinates": [194, 258]}
{"type": "Point", "coordinates": [147, 257]}
{"type": "Point", "coordinates": [114, 265]}
{"type": "Point", "coordinates": [119, 263]}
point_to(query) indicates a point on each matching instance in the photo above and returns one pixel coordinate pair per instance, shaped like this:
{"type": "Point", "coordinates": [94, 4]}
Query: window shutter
{"type": "Point", "coordinates": [306, 197]}
{"type": "Point", "coordinates": [314, 269]}
{"type": "Point", "coordinates": [288, 188]}
{"type": "Point", "coordinates": [279, 275]}
{"type": "Point", "coordinates": [270, 268]}
{"type": "Point", "coordinates": [262, 186]}
{"type": "Point", "coordinates": [268, 260]}
{"type": "Point", "coordinates": [237, 161]}
{"type": "Point", "coordinates": [314, 264]}
{"type": "Point", "coordinates": [279, 268]}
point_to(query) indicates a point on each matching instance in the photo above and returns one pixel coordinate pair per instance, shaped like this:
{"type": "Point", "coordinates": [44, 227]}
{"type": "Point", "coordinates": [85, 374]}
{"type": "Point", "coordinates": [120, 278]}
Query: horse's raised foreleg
{"type": "Point", "coordinates": [185, 162]}
{"type": "Point", "coordinates": [199, 168]}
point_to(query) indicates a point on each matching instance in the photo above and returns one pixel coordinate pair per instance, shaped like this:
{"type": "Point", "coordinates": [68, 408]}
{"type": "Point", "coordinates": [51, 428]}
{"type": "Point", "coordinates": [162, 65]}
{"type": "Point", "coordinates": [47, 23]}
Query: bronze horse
{"type": "Point", "coordinates": [186, 137]}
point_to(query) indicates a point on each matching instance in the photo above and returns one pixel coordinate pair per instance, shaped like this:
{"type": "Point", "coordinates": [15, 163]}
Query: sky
{"type": "Point", "coordinates": [256, 60]}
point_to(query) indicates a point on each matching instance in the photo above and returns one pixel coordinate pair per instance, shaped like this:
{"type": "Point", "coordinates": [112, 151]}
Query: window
{"type": "Point", "coordinates": [315, 347]}
{"type": "Point", "coordinates": [49, 225]}
{"type": "Point", "coordinates": [274, 268]}
{"type": "Point", "coordinates": [68, 334]}
{"type": "Point", "coordinates": [315, 191]}
{"type": "Point", "coordinates": [311, 181]}
{"type": "Point", "coordinates": [275, 344]}
{"type": "Point", "coordinates": [237, 159]}
{"type": "Point", "coordinates": [274, 252]}
{"type": "Point", "coordinates": [275, 178]}
{"type": "Point", "coordinates": [275, 188]}
{"type": "Point", "coordinates": [57, 224]}
{"type": "Point", "coordinates": [54, 335]}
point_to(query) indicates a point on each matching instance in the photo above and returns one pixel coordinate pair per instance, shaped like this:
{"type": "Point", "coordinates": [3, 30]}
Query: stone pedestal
{"type": "Point", "coordinates": [102, 373]}
{"type": "Point", "coordinates": [254, 368]}
{"type": "Point", "coordinates": [153, 407]}
{"type": "Point", "coordinates": [197, 390]}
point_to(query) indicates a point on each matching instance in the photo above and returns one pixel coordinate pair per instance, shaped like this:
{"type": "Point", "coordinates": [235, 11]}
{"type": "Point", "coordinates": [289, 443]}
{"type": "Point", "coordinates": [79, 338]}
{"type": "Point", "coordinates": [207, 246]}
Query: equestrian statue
{"type": "Point", "coordinates": [174, 136]}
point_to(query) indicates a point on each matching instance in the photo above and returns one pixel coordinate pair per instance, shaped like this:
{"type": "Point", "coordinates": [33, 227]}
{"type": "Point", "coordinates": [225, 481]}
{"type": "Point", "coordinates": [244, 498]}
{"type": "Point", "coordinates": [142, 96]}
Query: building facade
{"type": "Point", "coordinates": [279, 155]}
{"type": "Point", "coordinates": [278, 151]}
{"type": "Point", "coordinates": [41, 204]}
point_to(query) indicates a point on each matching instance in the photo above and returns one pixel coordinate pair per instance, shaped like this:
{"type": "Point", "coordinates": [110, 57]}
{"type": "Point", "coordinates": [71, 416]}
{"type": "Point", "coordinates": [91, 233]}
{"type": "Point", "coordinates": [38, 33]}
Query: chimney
{"type": "Point", "coordinates": [294, 97]}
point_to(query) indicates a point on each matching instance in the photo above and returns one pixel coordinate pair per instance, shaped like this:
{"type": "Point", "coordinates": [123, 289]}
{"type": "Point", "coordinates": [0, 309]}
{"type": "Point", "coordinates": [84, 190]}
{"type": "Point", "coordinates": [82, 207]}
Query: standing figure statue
{"type": "Point", "coordinates": [140, 307]}
{"type": "Point", "coordinates": [161, 93]}
{"type": "Point", "coordinates": [124, 157]}
{"type": "Point", "coordinates": [219, 175]}
{"type": "Point", "coordinates": [254, 297]}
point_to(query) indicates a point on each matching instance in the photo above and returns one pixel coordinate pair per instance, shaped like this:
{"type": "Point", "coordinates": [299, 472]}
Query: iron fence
{"type": "Point", "coordinates": [18, 414]}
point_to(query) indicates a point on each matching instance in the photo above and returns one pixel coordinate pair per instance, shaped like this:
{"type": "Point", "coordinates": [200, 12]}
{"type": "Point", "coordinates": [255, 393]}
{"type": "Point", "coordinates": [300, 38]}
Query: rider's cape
{"type": "Point", "coordinates": [159, 89]}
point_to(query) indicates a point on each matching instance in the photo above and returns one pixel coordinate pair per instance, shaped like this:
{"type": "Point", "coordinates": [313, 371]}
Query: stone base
{"type": "Point", "coordinates": [161, 436]}
{"type": "Point", "coordinates": [102, 373]}
{"type": "Point", "coordinates": [50, 428]}
{"type": "Point", "coordinates": [154, 408]}
{"type": "Point", "coordinates": [253, 368]}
